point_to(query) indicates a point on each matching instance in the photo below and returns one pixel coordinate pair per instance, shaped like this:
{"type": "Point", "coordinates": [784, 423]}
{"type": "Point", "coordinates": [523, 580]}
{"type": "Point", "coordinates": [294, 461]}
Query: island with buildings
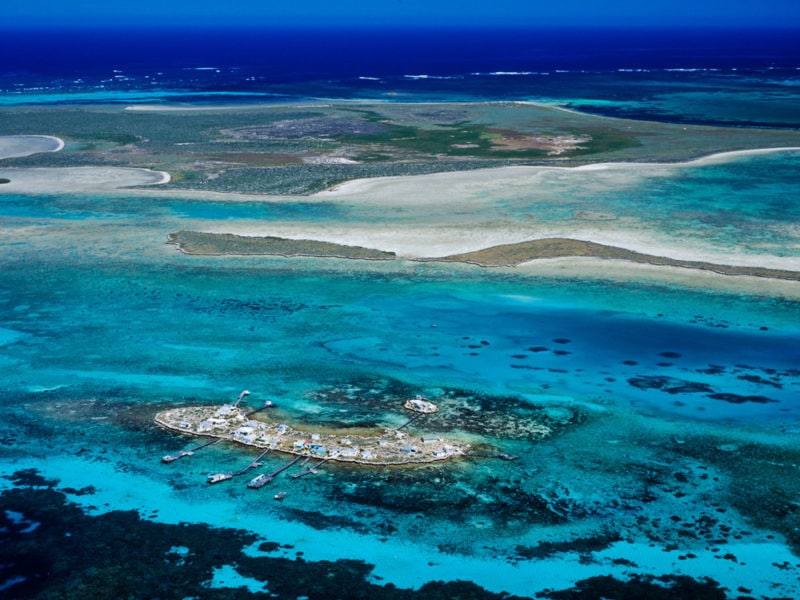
{"type": "Point", "coordinates": [379, 447]}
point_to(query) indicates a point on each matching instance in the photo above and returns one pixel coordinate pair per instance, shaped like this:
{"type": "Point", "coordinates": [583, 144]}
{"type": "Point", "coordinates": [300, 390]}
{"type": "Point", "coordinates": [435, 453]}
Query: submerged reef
{"type": "Point", "coordinates": [50, 548]}
{"type": "Point", "coordinates": [650, 587]}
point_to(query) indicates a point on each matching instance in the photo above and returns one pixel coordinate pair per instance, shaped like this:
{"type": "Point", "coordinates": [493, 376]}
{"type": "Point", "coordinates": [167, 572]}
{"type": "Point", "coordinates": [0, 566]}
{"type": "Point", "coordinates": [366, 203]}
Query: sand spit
{"type": "Point", "coordinates": [173, 108]}
{"type": "Point", "coordinates": [17, 146]}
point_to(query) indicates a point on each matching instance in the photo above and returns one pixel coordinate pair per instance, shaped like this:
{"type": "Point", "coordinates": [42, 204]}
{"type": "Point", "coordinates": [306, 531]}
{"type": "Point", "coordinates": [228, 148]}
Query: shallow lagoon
{"type": "Point", "coordinates": [93, 348]}
{"type": "Point", "coordinates": [672, 405]}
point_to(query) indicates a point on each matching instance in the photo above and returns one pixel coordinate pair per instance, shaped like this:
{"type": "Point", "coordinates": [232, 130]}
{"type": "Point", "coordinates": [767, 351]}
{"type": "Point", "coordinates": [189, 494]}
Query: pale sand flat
{"type": "Point", "coordinates": [56, 180]}
{"type": "Point", "coordinates": [15, 146]}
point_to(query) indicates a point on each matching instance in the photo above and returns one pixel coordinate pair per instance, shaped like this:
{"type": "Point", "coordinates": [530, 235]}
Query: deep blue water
{"type": "Point", "coordinates": [698, 76]}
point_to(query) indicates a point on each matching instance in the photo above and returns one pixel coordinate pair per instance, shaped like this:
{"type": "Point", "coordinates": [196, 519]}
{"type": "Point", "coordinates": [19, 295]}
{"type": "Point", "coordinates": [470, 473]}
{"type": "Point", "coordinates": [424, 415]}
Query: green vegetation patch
{"type": "Point", "coordinates": [516, 254]}
{"type": "Point", "coordinates": [605, 140]}
{"type": "Point", "coordinates": [113, 137]}
{"type": "Point", "coordinates": [465, 139]}
{"type": "Point", "coordinates": [200, 243]}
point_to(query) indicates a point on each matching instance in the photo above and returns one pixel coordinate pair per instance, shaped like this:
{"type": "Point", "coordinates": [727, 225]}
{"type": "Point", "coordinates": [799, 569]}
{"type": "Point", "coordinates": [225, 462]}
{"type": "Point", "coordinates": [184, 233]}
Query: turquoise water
{"type": "Point", "coordinates": [220, 328]}
{"type": "Point", "coordinates": [92, 351]}
{"type": "Point", "coordinates": [663, 400]}
{"type": "Point", "coordinates": [670, 408]}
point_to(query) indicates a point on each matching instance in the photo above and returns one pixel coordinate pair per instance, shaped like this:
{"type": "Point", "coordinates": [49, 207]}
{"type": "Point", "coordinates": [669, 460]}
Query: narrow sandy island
{"type": "Point", "coordinates": [504, 255]}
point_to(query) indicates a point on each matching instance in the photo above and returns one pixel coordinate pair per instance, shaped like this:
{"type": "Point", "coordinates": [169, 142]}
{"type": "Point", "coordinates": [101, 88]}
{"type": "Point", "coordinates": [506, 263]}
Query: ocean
{"type": "Point", "coordinates": [745, 78]}
{"type": "Point", "coordinates": [671, 405]}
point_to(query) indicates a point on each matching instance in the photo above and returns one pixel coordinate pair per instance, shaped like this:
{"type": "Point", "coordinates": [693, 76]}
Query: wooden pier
{"type": "Point", "coordinates": [310, 470]}
{"type": "Point", "coordinates": [173, 457]}
{"type": "Point", "coordinates": [225, 476]}
{"type": "Point", "coordinates": [264, 479]}
{"type": "Point", "coordinates": [410, 421]}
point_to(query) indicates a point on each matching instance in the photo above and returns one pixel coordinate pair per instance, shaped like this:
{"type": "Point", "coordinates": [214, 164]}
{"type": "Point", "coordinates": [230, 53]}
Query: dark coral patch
{"type": "Point", "coordinates": [670, 385]}
{"type": "Point", "coordinates": [739, 399]}
{"type": "Point", "coordinates": [121, 555]}
{"type": "Point", "coordinates": [760, 380]}
{"type": "Point", "coordinates": [667, 587]}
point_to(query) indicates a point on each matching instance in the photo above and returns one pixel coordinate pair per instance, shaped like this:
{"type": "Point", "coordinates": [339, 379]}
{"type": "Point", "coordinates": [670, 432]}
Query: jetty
{"type": "Point", "coordinates": [225, 476]}
{"type": "Point", "coordinates": [310, 470]}
{"type": "Point", "coordinates": [501, 456]}
{"type": "Point", "coordinates": [410, 421]}
{"type": "Point", "coordinates": [173, 457]}
{"type": "Point", "coordinates": [267, 404]}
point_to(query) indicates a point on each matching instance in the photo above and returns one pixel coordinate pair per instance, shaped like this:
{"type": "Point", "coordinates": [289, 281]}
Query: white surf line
{"type": "Point", "coordinates": [725, 156]}
{"type": "Point", "coordinates": [716, 157]}
{"type": "Point", "coordinates": [59, 142]}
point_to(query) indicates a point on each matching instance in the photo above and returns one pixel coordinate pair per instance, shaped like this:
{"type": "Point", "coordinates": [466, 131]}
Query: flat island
{"type": "Point", "coordinates": [387, 447]}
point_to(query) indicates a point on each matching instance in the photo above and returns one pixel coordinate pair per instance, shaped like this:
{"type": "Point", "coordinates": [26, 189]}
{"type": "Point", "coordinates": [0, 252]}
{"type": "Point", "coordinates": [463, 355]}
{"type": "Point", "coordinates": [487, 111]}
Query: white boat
{"type": "Point", "coordinates": [258, 482]}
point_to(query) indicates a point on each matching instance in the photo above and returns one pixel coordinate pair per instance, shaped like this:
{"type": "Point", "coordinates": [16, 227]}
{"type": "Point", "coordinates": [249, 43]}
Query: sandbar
{"type": "Point", "coordinates": [573, 257]}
